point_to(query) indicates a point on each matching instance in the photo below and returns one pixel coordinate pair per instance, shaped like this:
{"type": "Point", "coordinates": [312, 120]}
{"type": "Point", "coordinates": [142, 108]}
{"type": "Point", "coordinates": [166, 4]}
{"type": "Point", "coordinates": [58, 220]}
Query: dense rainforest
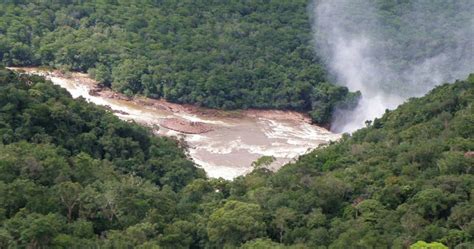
{"type": "Point", "coordinates": [74, 176]}
{"type": "Point", "coordinates": [218, 54]}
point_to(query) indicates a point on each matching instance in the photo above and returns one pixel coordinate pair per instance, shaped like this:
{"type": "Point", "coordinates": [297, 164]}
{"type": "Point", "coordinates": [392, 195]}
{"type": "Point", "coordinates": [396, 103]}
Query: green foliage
{"type": "Point", "coordinates": [262, 244]}
{"type": "Point", "coordinates": [70, 171]}
{"type": "Point", "coordinates": [234, 223]}
{"type": "Point", "coordinates": [33, 110]}
{"type": "Point", "coordinates": [424, 245]}
{"type": "Point", "coordinates": [404, 178]}
{"type": "Point", "coordinates": [219, 54]}
{"type": "Point", "coordinates": [72, 175]}
{"type": "Point", "coordinates": [263, 161]}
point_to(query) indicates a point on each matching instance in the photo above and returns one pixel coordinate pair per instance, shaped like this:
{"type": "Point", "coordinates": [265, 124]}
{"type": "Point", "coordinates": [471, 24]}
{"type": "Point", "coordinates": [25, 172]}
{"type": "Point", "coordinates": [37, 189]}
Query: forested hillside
{"type": "Point", "coordinates": [218, 54]}
{"type": "Point", "coordinates": [407, 177]}
{"type": "Point", "coordinates": [70, 170]}
{"type": "Point", "coordinates": [74, 176]}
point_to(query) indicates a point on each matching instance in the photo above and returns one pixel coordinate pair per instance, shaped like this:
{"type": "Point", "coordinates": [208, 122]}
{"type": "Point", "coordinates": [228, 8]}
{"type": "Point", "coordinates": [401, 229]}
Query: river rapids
{"type": "Point", "coordinates": [233, 143]}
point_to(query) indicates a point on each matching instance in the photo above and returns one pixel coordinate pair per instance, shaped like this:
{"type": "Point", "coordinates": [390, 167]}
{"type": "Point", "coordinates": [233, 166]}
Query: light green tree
{"type": "Point", "coordinates": [234, 223]}
{"type": "Point", "coordinates": [425, 245]}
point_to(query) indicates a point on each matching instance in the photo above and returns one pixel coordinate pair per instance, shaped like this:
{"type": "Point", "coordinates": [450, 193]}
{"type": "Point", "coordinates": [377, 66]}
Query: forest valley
{"type": "Point", "coordinates": [73, 175]}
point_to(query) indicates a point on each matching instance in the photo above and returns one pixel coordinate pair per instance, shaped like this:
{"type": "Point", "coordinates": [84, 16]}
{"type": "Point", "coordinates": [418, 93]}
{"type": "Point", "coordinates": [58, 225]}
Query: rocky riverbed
{"type": "Point", "coordinates": [224, 143]}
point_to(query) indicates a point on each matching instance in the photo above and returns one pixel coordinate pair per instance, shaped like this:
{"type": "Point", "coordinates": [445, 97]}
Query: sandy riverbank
{"type": "Point", "coordinates": [176, 124]}
{"type": "Point", "coordinates": [223, 143]}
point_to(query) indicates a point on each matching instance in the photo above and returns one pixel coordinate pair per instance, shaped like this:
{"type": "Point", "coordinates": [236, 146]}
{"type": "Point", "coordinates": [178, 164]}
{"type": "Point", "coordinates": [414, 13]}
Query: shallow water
{"type": "Point", "coordinates": [230, 148]}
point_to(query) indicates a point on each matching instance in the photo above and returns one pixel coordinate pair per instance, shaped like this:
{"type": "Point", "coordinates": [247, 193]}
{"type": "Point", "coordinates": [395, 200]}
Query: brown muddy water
{"type": "Point", "coordinates": [234, 142]}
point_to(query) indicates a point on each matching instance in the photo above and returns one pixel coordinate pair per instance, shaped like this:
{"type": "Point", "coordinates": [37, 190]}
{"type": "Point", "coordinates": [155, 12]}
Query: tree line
{"type": "Point", "coordinates": [74, 176]}
{"type": "Point", "coordinates": [218, 54]}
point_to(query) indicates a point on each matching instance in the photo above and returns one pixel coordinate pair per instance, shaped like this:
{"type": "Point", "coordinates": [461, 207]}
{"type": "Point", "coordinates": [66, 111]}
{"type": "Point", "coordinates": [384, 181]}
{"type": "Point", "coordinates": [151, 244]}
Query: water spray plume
{"type": "Point", "coordinates": [392, 50]}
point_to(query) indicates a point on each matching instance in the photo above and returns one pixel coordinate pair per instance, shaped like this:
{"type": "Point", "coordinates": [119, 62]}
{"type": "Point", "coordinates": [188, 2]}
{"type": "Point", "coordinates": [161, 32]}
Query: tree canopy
{"type": "Point", "coordinates": [73, 176]}
{"type": "Point", "coordinates": [218, 54]}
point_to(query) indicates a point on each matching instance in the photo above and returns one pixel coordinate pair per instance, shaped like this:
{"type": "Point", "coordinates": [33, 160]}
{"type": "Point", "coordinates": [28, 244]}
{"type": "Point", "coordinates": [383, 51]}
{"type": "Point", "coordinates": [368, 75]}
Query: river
{"type": "Point", "coordinates": [233, 142]}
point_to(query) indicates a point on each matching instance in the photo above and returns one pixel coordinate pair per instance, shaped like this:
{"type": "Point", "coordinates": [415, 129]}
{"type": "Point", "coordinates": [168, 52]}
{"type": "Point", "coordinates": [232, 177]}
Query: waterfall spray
{"type": "Point", "coordinates": [391, 51]}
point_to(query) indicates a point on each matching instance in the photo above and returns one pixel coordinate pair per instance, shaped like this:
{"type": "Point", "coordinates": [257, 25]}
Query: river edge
{"type": "Point", "coordinates": [193, 127]}
{"type": "Point", "coordinates": [223, 143]}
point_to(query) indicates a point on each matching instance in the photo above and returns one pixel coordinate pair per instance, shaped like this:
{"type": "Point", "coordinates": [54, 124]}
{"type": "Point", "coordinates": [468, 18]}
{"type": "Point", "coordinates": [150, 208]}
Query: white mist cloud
{"type": "Point", "coordinates": [423, 44]}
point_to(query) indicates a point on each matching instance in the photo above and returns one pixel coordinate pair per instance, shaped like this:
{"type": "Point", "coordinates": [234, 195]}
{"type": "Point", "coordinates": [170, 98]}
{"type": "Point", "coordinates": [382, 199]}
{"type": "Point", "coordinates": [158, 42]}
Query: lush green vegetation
{"type": "Point", "coordinates": [405, 178]}
{"type": "Point", "coordinates": [218, 54]}
{"type": "Point", "coordinates": [70, 170]}
{"type": "Point", "coordinates": [74, 176]}
{"type": "Point", "coordinates": [37, 112]}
